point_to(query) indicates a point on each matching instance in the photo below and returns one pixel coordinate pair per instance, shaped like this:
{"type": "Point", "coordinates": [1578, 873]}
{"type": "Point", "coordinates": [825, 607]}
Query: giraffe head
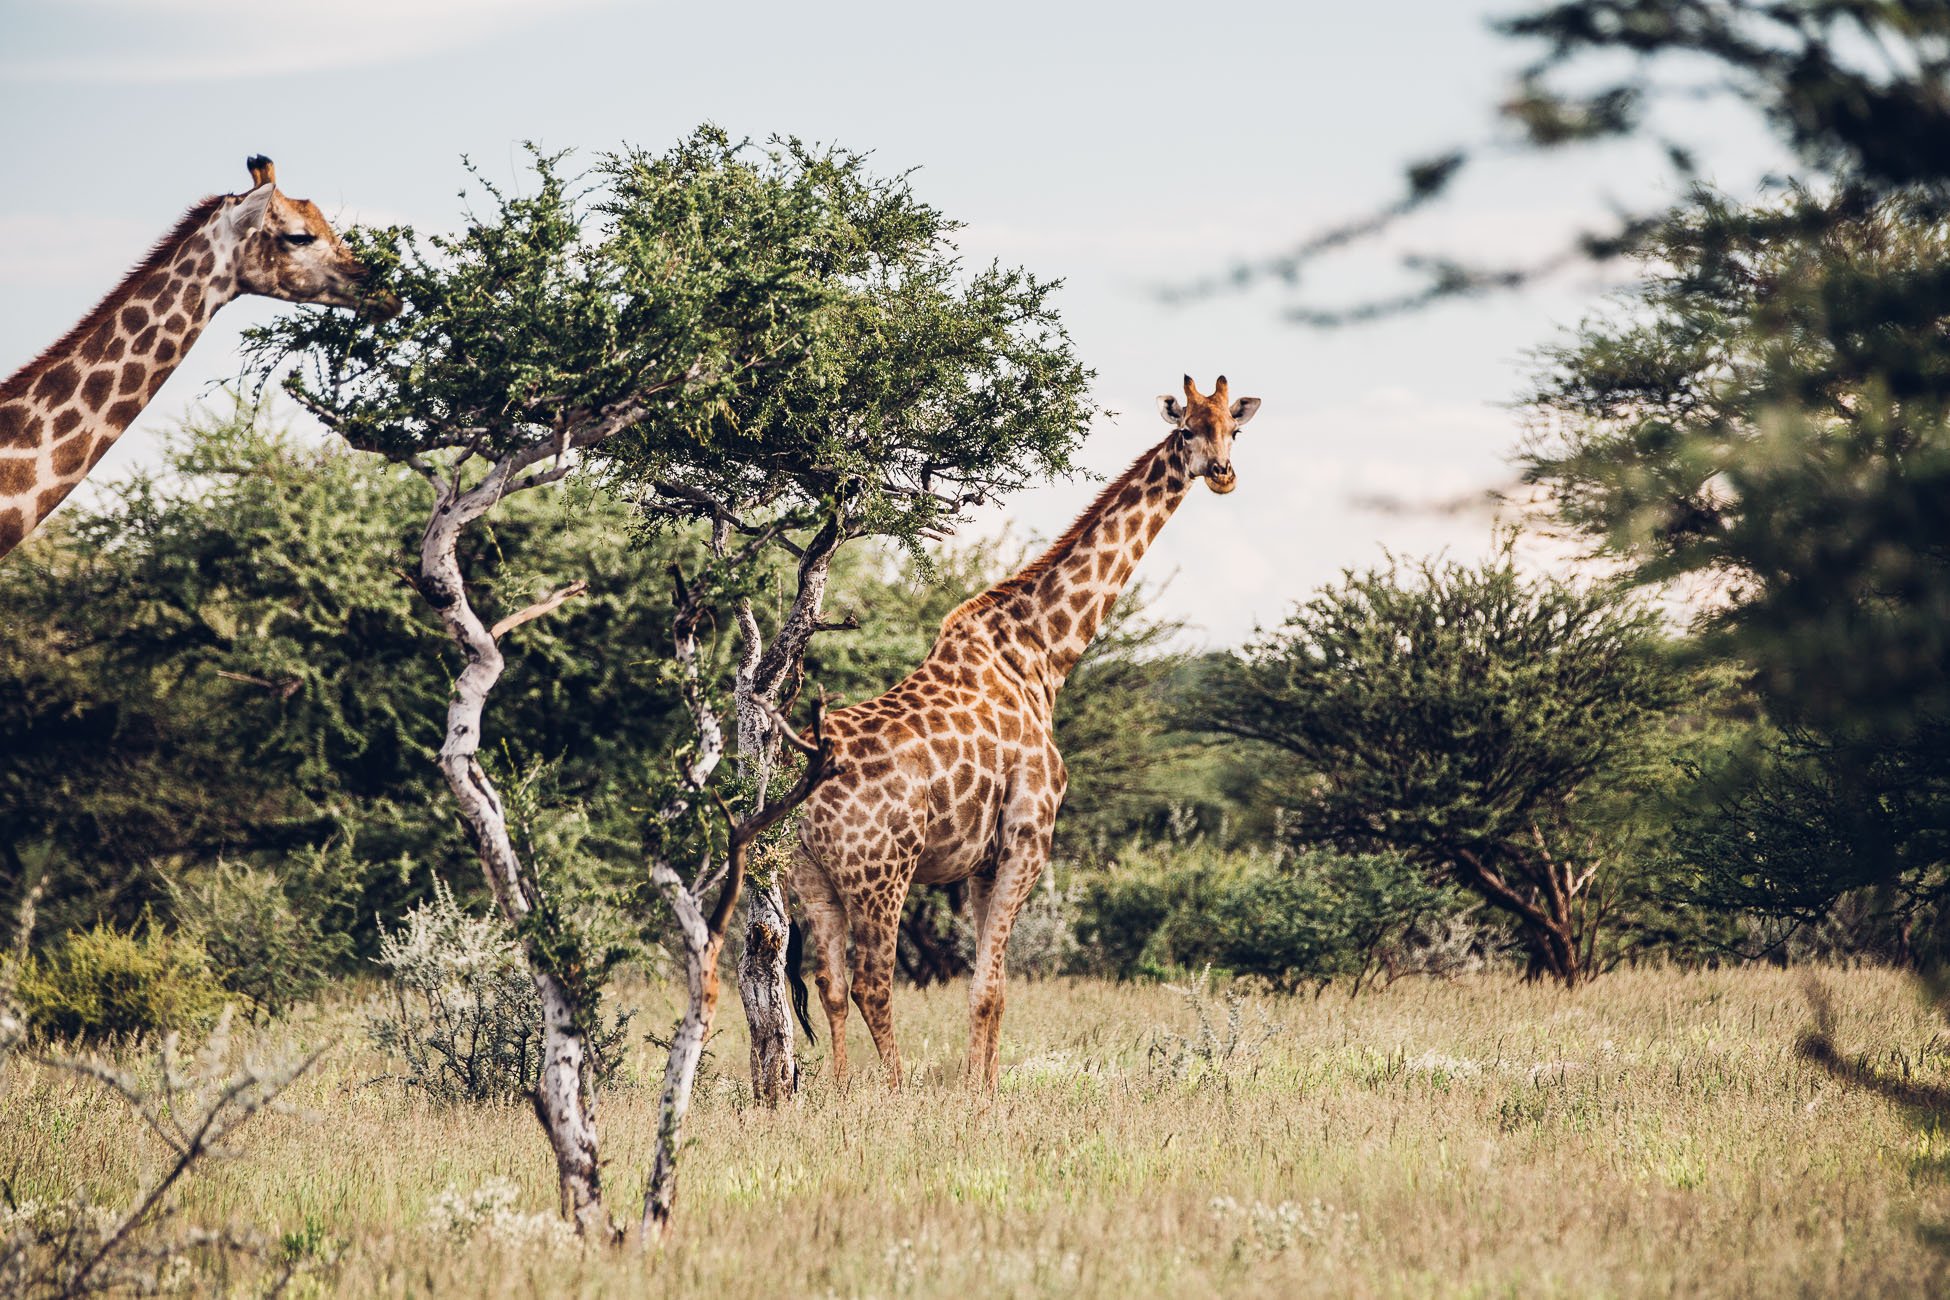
{"type": "Point", "coordinates": [286, 250]}
{"type": "Point", "coordinates": [1207, 424]}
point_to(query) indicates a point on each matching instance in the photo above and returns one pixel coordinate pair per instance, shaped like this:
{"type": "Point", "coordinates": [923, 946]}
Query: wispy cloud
{"type": "Point", "coordinates": [220, 40]}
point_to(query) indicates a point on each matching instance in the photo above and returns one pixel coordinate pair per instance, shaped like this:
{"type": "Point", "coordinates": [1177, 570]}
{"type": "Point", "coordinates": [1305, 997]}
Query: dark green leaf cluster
{"type": "Point", "coordinates": [1768, 420]}
{"type": "Point", "coordinates": [912, 389]}
{"type": "Point", "coordinates": [228, 663]}
{"type": "Point", "coordinates": [766, 329]}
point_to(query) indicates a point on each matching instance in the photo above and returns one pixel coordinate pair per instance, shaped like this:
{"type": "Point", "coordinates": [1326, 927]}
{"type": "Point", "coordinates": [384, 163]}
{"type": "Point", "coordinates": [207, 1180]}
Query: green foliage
{"type": "Point", "coordinates": [461, 1012]}
{"type": "Point", "coordinates": [1466, 718]}
{"type": "Point", "coordinates": [1768, 417]}
{"type": "Point", "coordinates": [103, 983]}
{"type": "Point", "coordinates": [225, 662]}
{"type": "Point", "coordinates": [1310, 918]}
{"type": "Point", "coordinates": [909, 388]}
{"type": "Point", "coordinates": [260, 947]}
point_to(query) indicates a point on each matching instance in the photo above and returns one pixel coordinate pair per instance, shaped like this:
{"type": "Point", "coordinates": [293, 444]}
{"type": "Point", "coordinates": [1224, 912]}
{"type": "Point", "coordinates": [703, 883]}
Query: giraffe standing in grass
{"type": "Point", "coordinates": [953, 774]}
{"type": "Point", "coordinates": [61, 412]}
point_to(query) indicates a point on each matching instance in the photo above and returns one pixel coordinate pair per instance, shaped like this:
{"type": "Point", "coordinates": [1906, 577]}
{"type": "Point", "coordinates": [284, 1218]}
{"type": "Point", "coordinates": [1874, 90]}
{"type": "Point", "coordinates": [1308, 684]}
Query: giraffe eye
{"type": "Point", "coordinates": [296, 240]}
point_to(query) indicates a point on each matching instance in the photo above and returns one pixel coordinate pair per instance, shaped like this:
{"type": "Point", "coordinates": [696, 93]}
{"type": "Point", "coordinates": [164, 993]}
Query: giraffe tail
{"type": "Point", "coordinates": [795, 958]}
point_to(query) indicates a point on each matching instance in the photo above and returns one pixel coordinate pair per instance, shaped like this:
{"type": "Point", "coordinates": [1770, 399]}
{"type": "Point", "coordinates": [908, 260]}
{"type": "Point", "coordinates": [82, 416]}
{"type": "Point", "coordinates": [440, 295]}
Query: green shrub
{"type": "Point", "coordinates": [259, 947]}
{"type": "Point", "coordinates": [1288, 920]}
{"type": "Point", "coordinates": [105, 983]}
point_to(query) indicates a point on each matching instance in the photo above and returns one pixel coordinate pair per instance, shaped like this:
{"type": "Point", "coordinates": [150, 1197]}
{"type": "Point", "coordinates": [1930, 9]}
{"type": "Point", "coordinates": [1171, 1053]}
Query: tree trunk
{"type": "Point", "coordinates": [767, 997]}
{"type": "Point", "coordinates": [562, 1098]}
{"type": "Point", "coordinates": [763, 673]}
{"type": "Point", "coordinates": [701, 951]}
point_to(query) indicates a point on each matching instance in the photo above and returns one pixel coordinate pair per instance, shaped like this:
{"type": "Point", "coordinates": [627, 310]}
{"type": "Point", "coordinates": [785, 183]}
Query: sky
{"type": "Point", "coordinates": [1120, 147]}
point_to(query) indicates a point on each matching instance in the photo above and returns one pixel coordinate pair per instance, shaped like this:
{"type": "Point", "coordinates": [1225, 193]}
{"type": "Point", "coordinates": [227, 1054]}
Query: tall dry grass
{"type": "Point", "coordinates": [1655, 1133]}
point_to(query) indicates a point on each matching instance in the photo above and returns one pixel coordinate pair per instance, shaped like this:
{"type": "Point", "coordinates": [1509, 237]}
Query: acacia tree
{"type": "Point", "coordinates": [922, 389]}
{"type": "Point", "coordinates": [1467, 719]}
{"type": "Point", "coordinates": [551, 324]}
{"type": "Point", "coordinates": [1771, 416]}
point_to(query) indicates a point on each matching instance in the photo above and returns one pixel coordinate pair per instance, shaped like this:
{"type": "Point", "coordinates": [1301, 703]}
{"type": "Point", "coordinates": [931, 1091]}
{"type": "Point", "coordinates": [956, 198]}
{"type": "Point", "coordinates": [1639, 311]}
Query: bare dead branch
{"type": "Point", "coordinates": [544, 605]}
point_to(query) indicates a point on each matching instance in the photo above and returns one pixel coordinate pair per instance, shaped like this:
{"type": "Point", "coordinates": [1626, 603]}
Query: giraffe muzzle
{"type": "Point", "coordinates": [1221, 479]}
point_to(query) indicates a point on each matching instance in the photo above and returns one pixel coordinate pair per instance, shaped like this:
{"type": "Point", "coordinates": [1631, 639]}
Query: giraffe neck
{"type": "Point", "coordinates": [1063, 597]}
{"type": "Point", "coordinates": [62, 412]}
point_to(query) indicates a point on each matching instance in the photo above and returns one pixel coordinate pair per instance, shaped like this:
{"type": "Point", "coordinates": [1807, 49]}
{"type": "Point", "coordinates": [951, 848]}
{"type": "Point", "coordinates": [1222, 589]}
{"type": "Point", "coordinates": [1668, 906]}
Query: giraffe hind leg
{"type": "Point", "coordinates": [825, 939]}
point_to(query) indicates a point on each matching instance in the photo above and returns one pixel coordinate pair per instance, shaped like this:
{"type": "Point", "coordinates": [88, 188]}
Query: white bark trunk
{"type": "Point", "coordinates": [563, 1100]}
{"type": "Point", "coordinates": [763, 673]}
{"type": "Point", "coordinates": [701, 949]}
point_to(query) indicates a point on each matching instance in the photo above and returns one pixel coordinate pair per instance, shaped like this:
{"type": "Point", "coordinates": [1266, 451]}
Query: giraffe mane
{"type": "Point", "coordinates": [1059, 548]}
{"type": "Point", "coordinates": [18, 383]}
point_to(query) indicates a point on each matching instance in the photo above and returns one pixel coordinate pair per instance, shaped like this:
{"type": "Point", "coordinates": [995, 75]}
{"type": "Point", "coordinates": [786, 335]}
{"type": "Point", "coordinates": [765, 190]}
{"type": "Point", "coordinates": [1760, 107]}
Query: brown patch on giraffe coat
{"type": "Point", "coordinates": [143, 342]}
{"type": "Point", "coordinates": [95, 346]}
{"type": "Point", "coordinates": [57, 385]}
{"type": "Point", "coordinates": [71, 457]}
{"type": "Point", "coordinates": [19, 426]}
{"type": "Point", "coordinates": [135, 317]}
{"type": "Point", "coordinates": [176, 324]}
{"type": "Point", "coordinates": [98, 388]}
{"type": "Point", "coordinates": [123, 414]}
{"type": "Point", "coordinates": [165, 351]}
{"type": "Point", "coordinates": [45, 503]}
{"type": "Point", "coordinates": [66, 423]}
{"type": "Point", "coordinates": [132, 373]}
{"type": "Point", "coordinates": [17, 474]}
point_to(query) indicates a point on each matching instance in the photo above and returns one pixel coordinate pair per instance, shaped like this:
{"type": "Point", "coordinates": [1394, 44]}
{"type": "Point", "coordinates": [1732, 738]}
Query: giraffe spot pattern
{"type": "Point", "coordinates": [19, 426]}
{"type": "Point", "coordinates": [98, 388]}
{"type": "Point", "coordinates": [57, 385]}
{"type": "Point", "coordinates": [71, 457]}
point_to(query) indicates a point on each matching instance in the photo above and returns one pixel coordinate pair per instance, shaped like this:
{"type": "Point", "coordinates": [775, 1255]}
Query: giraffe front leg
{"type": "Point", "coordinates": [876, 929]}
{"type": "Point", "coordinates": [1023, 855]}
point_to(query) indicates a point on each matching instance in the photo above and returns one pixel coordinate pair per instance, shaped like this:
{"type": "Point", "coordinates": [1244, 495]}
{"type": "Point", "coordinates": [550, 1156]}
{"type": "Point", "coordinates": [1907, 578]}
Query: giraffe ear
{"type": "Point", "coordinates": [247, 214]}
{"type": "Point", "coordinates": [1243, 410]}
{"type": "Point", "coordinates": [1171, 409]}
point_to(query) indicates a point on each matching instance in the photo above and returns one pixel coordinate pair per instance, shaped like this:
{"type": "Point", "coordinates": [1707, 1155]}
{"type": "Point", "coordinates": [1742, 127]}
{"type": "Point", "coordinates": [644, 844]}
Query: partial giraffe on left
{"type": "Point", "coordinates": [62, 411]}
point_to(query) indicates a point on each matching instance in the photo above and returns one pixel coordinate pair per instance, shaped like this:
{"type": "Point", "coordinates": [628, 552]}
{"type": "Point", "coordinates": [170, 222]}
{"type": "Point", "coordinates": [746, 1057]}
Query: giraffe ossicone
{"type": "Point", "coordinates": [954, 773]}
{"type": "Point", "coordinates": [62, 411]}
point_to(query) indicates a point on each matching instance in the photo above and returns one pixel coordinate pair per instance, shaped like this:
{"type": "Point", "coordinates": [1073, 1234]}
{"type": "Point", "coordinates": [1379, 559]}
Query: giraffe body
{"type": "Point", "coordinates": [954, 774]}
{"type": "Point", "coordinates": [61, 412]}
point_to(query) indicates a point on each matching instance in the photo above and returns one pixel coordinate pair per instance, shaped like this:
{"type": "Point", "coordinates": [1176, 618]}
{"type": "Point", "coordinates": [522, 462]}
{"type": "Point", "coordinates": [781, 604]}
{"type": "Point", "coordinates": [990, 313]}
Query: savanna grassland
{"type": "Point", "coordinates": [1655, 1133]}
